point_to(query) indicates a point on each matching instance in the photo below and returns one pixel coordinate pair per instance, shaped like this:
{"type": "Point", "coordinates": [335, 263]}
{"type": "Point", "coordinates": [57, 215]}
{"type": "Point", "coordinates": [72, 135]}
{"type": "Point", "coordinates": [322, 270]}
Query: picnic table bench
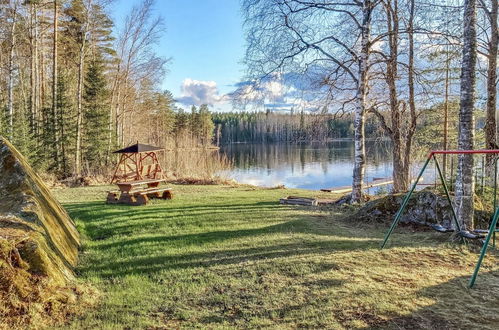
{"type": "Point", "coordinates": [139, 192]}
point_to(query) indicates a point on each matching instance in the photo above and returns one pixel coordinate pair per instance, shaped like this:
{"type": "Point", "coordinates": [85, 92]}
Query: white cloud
{"type": "Point", "coordinates": [197, 92]}
{"type": "Point", "coordinates": [279, 92]}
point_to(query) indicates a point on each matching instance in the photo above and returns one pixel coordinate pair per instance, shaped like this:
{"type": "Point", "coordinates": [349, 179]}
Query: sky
{"type": "Point", "coordinates": [205, 41]}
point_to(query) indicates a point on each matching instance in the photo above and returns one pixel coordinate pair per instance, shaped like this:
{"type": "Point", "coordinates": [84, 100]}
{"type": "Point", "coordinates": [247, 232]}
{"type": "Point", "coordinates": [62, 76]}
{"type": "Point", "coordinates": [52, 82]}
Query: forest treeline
{"type": "Point", "coordinates": [73, 88]}
{"type": "Point", "coordinates": [267, 126]}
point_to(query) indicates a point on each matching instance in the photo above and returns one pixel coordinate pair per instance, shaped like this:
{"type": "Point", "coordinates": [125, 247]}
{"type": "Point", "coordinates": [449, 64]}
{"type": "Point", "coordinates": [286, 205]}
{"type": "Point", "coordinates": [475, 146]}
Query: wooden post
{"type": "Point", "coordinates": [117, 169]}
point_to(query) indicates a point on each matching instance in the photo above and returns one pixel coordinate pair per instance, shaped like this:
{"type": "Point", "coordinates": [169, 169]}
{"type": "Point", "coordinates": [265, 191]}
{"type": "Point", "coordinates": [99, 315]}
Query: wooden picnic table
{"type": "Point", "coordinates": [138, 192]}
{"type": "Point", "coordinates": [129, 186]}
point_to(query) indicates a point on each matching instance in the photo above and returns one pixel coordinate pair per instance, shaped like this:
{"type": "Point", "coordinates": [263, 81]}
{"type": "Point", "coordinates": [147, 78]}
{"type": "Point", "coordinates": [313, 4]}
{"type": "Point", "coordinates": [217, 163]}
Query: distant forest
{"type": "Point", "coordinates": [258, 127]}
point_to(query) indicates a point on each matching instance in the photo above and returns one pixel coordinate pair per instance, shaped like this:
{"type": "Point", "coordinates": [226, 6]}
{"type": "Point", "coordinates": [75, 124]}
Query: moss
{"type": "Point", "coordinates": [27, 299]}
{"type": "Point", "coordinates": [38, 247]}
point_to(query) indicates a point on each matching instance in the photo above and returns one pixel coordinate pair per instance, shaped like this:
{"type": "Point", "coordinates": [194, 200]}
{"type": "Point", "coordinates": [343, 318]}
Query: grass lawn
{"type": "Point", "coordinates": [223, 257]}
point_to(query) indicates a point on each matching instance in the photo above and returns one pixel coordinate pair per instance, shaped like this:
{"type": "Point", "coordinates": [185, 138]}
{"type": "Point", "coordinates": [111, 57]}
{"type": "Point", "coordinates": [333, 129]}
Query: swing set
{"type": "Point", "coordinates": [473, 234]}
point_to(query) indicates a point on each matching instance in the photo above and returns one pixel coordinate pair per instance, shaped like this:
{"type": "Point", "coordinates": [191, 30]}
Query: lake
{"type": "Point", "coordinates": [305, 166]}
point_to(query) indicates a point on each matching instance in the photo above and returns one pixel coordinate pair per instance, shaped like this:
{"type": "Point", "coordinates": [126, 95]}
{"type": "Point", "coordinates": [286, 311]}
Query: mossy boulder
{"type": "Point", "coordinates": [425, 207]}
{"type": "Point", "coordinates": [39, 242]}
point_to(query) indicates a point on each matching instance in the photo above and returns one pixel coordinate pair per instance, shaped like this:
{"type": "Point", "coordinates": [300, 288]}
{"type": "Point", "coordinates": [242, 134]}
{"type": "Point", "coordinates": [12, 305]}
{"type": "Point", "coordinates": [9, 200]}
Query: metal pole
{"type": "Point", "coordinates": [476, 175]}
{"type": "Point", "coordinates": [404, 203]}
{"type": "Point", "coordinates": [495, 197]}
{"type": "Point", "coordinates": [483, 175]}
{"type": "Point", "coordinates": [452, 172]}
{"type": "Point", "coordinates": [447, 193]}
{"type": "Point", "coordinates": [495, 183]}
{"type": "Point", "coordinates": [484, 247]}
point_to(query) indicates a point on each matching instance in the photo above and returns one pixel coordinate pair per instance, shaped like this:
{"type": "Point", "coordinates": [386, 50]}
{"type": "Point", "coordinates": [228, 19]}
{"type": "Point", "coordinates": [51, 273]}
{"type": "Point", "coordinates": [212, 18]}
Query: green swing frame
{"type": "Point", "coordinates": [492, 227]}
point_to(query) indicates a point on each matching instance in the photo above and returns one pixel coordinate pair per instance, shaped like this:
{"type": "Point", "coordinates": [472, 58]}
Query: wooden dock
{"type": "Point", "coordinates": [378, 182]}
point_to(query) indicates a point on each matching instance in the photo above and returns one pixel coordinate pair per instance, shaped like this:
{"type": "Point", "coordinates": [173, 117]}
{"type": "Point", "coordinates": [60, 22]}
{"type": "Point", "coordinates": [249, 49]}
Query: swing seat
{"type": "Point", "coordinates": [470, 235]}
{"type": "Point", "coordinates": [442, 229]}
{"type": "Point", "coordinates": [484, 231]}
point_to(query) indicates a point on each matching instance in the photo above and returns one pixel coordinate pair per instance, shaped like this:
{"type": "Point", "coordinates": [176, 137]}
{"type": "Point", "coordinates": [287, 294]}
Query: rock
{"type": "Point", "coordinates": [424, 207]}
{"type": "Point", "coordinates": [38, 240]}
{"type": "Point", "coordinates": [46, 236]}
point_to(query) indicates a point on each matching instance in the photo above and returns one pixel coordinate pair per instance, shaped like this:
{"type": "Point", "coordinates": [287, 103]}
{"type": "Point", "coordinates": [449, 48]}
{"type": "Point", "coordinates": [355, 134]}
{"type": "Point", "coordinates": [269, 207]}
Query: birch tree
{"type": "Point", "coordinates": [136, 61]}
{"type": "Point", "coordinates": [464, 189]}
{"type": "Point", "coordinates": [361, 98]}
{"type": "Point", "coordinates": [332, 37]}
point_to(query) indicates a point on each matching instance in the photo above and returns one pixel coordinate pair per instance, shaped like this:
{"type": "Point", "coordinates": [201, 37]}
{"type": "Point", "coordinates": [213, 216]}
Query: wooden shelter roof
{"type": "Point", "coordinates": [138, 148]}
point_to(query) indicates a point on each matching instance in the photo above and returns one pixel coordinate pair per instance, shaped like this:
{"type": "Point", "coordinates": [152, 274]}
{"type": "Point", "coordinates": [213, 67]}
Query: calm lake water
{"type": "Point", "coordinates": [306, 166]}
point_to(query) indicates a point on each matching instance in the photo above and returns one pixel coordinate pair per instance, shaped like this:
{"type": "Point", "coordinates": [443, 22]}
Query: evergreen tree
{"type": "Point", "coordinates": [65, 123]}
{"type": "Point", "coordinates": [167, 107]}
{"type": "Point", "coordinates": [96, 109]}
{"type": "Point", "coordinates": [206, 125]}
{"type": "Point", "coordinates": [50, 158]}
{"type": "Point", "coordinates": [195, 123]}
{"type": "Point", "coordinates": [181, 127]}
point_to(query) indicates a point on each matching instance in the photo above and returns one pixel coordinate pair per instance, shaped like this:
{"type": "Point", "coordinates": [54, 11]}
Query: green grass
{"type": "Point", "coordinates": [224, 257]}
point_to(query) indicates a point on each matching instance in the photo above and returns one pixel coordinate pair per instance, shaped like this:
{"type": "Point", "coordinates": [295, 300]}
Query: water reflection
{"type": "Point", "coordinates": [306, 166]}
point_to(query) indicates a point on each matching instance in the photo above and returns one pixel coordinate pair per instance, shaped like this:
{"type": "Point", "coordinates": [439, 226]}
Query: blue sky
{"type": "Point", "coordinates": [204, 38]}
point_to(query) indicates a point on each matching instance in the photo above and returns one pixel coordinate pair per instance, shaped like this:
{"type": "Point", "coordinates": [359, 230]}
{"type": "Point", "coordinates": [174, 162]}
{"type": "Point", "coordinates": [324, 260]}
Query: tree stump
{"type": "Point", "coordinates": [167, 194]}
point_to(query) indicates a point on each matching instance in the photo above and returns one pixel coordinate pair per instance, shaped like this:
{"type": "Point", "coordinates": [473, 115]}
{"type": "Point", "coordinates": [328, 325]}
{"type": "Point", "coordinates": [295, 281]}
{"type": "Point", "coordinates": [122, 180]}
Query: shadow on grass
{"type": "Point", "coordinates": [155, 251]}
{"type": "Point", "coordinates": [102, 220]}
{"type": "Point", "coordinates": [456, 306]}
{"type": "Point", "coordinates": [87, 210]}
{"type": "Point", "coordinates": [152, 264]}
{"type": "Point", "coordinates": [112, 228]}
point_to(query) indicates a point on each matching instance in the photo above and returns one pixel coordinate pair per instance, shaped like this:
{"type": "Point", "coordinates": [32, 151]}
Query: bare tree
{"type": "Point", "coordinates": [34, 78]}
{"type": "Point", "coordinates": [55, 114]}
{"type": "Point", "coordinates": [401, 124]}
{"type": "Point", "coordinates": [327, 36]}
{"type": "Point", "coordinates": [136, 61]}
{"type": "Point", "coordinates": [12, 44]}
{"type": "Point", "coordinates": [361, 106]}
{"type": "Point", "coordinates": [465, 180]}
{"type": "Point", "coordinates": [491, 51]}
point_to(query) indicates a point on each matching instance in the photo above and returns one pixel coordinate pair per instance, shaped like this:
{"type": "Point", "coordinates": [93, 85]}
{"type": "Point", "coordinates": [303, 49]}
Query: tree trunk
{"type": "Point", "coordinates": [490, 123]}
{"type": "Point", "coordinates": [400, 167]}
{"type": "Point", "coordinates": [113, 113]}
{"type": "Point", "coordinates": [360, 110]}
{"type": "Point", "coordinates": [412, 98]}
{"type": "Point", "coordinates": [79, 92]}
{"type": "Point", "coordinates": [446, 113]}
{"type": "Point", "coordinates": [33, 105]}
{"type": "Point", "coordinates": [55, 125]}
{"type": "Point", "coordinates": [400, 176]}
{"type": "Point", "coordinates": [10, 102]}
{"type": "Point", "coordinates": [42, 81]}
{"type": "Point", "coordinates": [465, 179]}
{"type": "Point", "coordinates": [79, 112]}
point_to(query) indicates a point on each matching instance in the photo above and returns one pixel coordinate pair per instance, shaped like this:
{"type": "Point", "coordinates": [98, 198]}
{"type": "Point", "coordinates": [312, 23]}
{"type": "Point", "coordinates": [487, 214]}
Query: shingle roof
{"type": "Point", "coordinates": [137, 148]}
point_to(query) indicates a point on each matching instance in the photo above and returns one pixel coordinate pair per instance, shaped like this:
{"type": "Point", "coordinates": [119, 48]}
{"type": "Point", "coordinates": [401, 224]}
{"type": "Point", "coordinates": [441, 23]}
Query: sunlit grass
{"type": "Point", "coordinates": [220, 256]}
